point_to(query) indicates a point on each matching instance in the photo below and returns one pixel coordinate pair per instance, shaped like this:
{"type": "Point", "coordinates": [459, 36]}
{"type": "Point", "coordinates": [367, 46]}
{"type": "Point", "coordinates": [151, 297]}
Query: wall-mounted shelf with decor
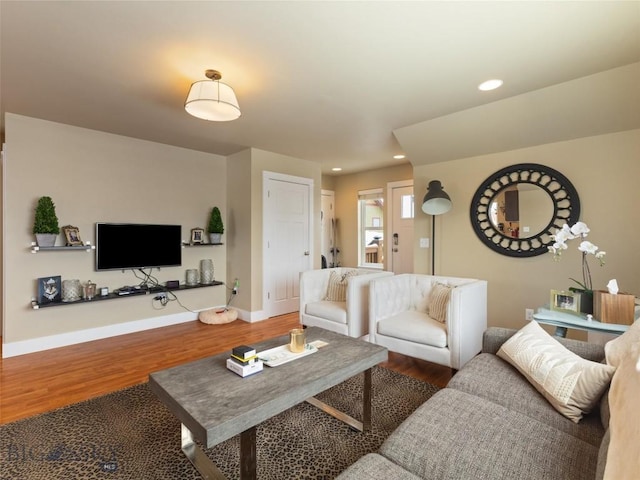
{"type": "Point", "coordinates": [201, 244]}
{"type": "Point", "coordinates": [85, 248]}
{"type": "Point", "coordinates": [112, 296]}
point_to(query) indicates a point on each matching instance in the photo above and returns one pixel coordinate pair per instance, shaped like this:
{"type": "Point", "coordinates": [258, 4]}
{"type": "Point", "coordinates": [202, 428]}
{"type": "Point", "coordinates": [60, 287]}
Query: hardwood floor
{"type": "Point", "coordinates": [43, 381]}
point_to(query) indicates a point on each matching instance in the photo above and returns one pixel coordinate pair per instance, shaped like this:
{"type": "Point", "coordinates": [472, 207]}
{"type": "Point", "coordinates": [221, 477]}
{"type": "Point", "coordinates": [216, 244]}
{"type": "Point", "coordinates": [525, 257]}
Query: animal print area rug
{"type": "Point", "coordinates": [129, 434]}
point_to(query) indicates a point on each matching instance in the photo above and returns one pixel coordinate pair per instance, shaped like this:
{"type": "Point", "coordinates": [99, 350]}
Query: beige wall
{"type": "Point", "coordinates": [346, 189]}
{"type": "Point", "coordinates": [329, 182]}
{"type": "Point", "coordinates": [98, 177]}
{"type": "Point", "coordinates": [605, 171]}
{"type": "Point", "coordinates": [238, 232]}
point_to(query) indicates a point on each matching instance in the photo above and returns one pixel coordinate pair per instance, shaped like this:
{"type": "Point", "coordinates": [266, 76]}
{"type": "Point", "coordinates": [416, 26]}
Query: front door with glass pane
{"type": "Point", "coordinates": [402, 211]}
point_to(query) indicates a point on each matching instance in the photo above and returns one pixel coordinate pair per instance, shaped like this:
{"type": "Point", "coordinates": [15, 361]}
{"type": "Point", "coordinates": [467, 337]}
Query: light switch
{"type": "Point", "coordinates": [424, 243]}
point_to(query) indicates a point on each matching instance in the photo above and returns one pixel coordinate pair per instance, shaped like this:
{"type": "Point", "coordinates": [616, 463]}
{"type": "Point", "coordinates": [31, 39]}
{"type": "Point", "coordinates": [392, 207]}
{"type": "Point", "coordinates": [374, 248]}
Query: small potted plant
{"type": "Point", "coordinates": [45, 224]}
{"type": "Point", "coordinates": [215, 227]}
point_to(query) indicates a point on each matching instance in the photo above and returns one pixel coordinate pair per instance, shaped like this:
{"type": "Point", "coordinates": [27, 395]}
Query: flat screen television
{"type": "Point", "coordinates": [122, 246]}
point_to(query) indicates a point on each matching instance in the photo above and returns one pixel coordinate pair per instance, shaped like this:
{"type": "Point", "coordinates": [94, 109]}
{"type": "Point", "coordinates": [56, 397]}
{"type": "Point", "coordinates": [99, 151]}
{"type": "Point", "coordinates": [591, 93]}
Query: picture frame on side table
{"type": "Point", "coordinates": [565, 301]}
{"type": "Point", "coordinates": [50, 289]}
{"type": "Point", "coordinates": [197, 236]}
{"type": "Point", "coordinates": [72, 236]}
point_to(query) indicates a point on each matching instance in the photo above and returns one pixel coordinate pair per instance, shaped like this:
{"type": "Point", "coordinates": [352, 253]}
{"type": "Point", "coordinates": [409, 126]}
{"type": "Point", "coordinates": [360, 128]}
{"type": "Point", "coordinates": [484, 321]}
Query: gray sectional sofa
{"type": "Point", "coordinates": [491, 423]}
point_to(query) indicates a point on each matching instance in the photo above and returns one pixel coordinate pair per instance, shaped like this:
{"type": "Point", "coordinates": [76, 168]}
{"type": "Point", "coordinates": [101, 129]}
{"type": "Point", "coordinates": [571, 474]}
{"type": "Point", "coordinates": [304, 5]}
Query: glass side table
{"type": "Point", "coordinates": [562, 321]}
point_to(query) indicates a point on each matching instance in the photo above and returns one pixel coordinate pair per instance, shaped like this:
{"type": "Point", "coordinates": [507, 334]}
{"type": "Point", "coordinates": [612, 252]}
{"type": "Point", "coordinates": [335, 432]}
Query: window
{"type": "Point", "coordinates": [406, 207]}
{"type": "Point", "coordinates": [371, 228]}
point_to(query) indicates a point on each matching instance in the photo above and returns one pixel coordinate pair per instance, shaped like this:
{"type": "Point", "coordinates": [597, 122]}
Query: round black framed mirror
{"type": "Point", "coordinates": [516, 210]}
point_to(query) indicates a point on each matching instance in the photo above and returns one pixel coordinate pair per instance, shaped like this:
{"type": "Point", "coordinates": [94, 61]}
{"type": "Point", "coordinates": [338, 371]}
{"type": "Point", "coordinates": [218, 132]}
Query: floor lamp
{"type": "Point", "coordinates": [435, 202]}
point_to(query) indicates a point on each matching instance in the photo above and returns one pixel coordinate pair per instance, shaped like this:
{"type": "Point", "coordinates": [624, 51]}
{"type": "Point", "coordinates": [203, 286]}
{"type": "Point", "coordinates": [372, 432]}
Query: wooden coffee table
{"type": "Point", "coordinates": [214, 404]}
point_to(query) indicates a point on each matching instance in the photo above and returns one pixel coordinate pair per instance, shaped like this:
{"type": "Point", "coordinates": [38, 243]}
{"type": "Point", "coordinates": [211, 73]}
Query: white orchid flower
{"type": "Point", "coordinates": [560, 246]}
{"type": "Point", "coordinates": [588, 247]}
{"type": "Point", "coordinates": [580, 229]}
{"type": "Point", "coordinates": [566, 233]}
{"type": "Point", "coordinates": [563, 234]}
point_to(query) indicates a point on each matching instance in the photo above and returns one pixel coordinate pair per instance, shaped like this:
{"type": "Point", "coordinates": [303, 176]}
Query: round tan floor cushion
{"type": "Point", "coordinates": [214, 317]}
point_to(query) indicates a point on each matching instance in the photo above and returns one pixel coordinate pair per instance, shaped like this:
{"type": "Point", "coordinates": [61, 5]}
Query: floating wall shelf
{"type": "Point", "coordinates": [85, 248]}
{"type": "Point", "coordinates": [112, 296]}
{"type": "Point", "coordinates": [201, 244]}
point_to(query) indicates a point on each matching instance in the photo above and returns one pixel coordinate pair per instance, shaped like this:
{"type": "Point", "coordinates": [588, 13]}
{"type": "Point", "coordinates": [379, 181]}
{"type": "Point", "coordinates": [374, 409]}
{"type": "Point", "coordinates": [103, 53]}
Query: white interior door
{"type": "Point", "coordinates": [400, 212]}
{"type": "Point", "coordinates": [287, 240]}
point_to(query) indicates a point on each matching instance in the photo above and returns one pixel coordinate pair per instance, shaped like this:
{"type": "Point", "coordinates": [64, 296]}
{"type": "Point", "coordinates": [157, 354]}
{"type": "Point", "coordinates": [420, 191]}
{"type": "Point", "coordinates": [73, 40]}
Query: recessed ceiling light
{"type": "Point", "coordinates": [336, 169]}
{"type": "Point", "coordinates": [399, 157]}
{"type": "Point", "coordinates": [490, 85]}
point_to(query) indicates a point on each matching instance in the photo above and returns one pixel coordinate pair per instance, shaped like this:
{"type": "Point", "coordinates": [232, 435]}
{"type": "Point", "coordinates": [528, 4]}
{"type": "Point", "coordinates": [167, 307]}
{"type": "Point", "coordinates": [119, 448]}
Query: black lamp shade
{"type": "Point", "coordinates": [436, 201]}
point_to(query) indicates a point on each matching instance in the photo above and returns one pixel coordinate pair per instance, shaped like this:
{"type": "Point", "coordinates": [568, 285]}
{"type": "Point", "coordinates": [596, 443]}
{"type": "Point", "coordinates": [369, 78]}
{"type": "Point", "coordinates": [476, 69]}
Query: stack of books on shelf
{"type": "Point", "coordinates": [244, 361]}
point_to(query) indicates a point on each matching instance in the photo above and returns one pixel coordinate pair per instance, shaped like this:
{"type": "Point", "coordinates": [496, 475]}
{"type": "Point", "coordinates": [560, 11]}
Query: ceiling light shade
{"type": "Point", "coordinates": [212, 100]}
{"type": "Point", "coordinates": [436, 201]}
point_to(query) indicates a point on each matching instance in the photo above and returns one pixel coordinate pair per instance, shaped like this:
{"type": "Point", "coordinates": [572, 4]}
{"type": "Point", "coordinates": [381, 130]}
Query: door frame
{"type": "Point", "coordinates": [389, 220]}
{"type": "Point", "coordinates": [268, 176]}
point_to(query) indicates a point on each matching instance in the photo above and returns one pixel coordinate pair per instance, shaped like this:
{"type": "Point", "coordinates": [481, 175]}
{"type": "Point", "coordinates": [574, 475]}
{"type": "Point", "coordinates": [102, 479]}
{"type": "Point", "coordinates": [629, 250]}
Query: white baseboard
{"type": "Point", "coordinates": [72, 338]}
{"type": "Point", "coordinates": [251, 317]}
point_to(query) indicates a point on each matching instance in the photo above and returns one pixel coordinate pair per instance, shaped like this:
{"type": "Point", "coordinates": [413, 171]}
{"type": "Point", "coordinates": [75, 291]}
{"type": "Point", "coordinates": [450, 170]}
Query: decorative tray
{"type": "Point", "coordinates": [280, 355]}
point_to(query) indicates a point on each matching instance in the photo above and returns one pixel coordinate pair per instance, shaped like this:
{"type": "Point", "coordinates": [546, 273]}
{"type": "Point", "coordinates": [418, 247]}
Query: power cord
{"type": "Point", "coordinates": [164, 296]}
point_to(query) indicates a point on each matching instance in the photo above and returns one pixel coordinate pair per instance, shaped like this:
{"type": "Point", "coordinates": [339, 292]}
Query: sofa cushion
{"type": "Point", "coordinates": [619, 348]}
{"type": "Point", "coordinates": [415, 327]}
{"type": "Point", "coordinates": [337, 286]}
{"type": "Point", "coordinates": [605, 412]}
{"type": "Point", "coordinates": [623, 460]}
{"type": "Point", "coordinates": [602, 456]}
{"type": "Point", "coordinates": [375, 467]}
{"type": "Point", "coordinates": [570, 383]}
{"type": "Point", "coordinates": [491, 378]}
{"type": "Point", "coordinates": [456, 435]}
{"type": "Point", "coordinates": [439, 302]}
{"type": "Point", "coordinates": [334, 311]}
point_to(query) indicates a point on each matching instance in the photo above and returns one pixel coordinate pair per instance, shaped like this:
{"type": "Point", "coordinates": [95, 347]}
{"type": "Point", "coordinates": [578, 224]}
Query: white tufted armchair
{"type": "Point", "coordinates": [349, 317]}
{"type": "Point", "coordinates": [400, 317]}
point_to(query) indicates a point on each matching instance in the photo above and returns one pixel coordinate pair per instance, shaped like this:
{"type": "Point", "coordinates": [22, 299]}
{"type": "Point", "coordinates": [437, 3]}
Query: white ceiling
{"type": "Point", "coordinates": [324, 81]}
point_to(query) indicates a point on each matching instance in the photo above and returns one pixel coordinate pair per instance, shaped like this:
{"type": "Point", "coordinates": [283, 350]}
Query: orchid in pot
{"type": "Point", "coordinates": [562, 236]}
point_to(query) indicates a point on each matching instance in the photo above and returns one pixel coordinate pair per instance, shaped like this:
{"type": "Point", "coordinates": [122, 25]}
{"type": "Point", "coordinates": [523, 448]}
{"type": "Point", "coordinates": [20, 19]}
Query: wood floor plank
{"type": "Point", "coordinates": [43, 381]}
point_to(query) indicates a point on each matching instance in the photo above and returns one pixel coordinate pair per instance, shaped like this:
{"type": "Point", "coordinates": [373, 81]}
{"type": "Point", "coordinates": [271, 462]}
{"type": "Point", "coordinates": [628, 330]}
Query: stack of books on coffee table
{"type": "Point", "coordinates": [244, 361]}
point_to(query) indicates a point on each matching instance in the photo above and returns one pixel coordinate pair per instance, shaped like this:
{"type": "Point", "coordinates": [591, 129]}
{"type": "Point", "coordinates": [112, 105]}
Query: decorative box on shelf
{"type": "Point", "coordinates": [610, 308]}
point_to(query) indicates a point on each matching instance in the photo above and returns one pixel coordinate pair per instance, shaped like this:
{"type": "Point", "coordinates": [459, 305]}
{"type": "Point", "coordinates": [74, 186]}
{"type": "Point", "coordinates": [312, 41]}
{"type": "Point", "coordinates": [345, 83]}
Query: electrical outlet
{"type": "Point", "coordinates": [160, 296]}
{"type": "Point", "coordinates": [236, 286]}
{"type": "Point", "coordinates": [528, 314]}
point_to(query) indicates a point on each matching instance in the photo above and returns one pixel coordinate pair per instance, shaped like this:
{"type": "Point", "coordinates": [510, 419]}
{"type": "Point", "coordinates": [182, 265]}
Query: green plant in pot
{"type": "Point", "coordinates": [585, 288]}
{"type": "Point", "coordinates": [215, 227]}
{"type": "Point", "coordinates": [45, 224]}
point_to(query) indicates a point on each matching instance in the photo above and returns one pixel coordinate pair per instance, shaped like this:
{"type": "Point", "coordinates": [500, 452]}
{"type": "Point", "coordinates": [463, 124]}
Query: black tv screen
{"type": "Point", "coordinates": [121, 246]}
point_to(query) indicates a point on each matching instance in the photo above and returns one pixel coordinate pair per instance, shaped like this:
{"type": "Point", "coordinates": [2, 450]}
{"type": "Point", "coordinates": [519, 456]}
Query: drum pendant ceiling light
{"type": "Point", "coordinates": [212, 100]}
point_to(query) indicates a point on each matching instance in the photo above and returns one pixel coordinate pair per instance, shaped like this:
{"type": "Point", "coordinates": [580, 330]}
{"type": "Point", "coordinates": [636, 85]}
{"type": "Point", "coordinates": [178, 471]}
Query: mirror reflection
{"type": "Point", "coordinates": [515, 211]}
{"type": "Point", "coordinates": [523, 210]}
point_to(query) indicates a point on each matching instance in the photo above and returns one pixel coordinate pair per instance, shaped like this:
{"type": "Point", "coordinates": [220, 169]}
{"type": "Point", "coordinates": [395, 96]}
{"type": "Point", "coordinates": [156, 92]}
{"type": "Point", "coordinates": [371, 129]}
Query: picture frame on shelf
{"type": "Point", "coordinates": [197, 236]}
{"type": "Point", "coordinates": [50, 289]}
{"type": "Point", "coordinates": [72, 236]}
{"type": "Point", "coordinates": [565, 301]}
